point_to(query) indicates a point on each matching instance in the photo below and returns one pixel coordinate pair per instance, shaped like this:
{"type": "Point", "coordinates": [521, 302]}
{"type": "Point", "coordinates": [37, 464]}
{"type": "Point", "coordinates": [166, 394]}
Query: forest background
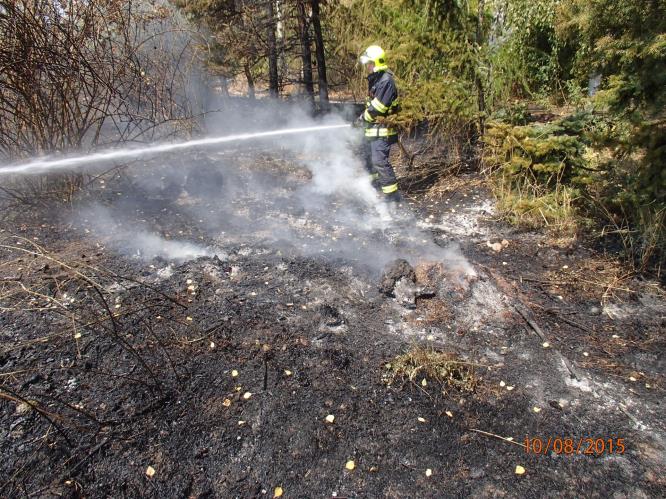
{"type": "Point", "coordinates": [559, 104]}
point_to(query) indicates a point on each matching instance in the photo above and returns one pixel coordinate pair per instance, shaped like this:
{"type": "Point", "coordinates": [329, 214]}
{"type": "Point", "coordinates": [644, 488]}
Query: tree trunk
{"type": "Point", "coordinates": [272, 53]}
{"type": "Point", "coordinates": [477, 79]}
{"type": "Point", "coordinates": [306, 52]}
{"type": "Point", "coordinates": [250, 81]}
{"type": "Point", "coordinates": [321, 59]}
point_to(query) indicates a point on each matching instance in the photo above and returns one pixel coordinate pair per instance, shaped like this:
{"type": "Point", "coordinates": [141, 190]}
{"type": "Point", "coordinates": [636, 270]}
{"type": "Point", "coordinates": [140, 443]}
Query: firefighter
{"type": "Point", "coordinates": [382, 101]}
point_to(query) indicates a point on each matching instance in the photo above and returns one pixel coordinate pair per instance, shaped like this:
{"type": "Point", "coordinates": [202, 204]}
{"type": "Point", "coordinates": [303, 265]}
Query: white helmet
{"type": "Point", "coordinates": [376, 55]}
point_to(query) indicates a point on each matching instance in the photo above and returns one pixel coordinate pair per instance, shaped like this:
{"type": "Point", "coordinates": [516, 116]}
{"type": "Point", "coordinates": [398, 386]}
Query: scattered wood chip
{"type": "Point", "coordinates": [424, 382]}
{"type": "Point", "coordinates": [247, 395]}
{"type": "Point", "coordinates": [545, 344]}
{"type": "Point", "coordinates": [631, 378]}
{"type": "Point", "coordinates": [287, 372]}
{"type": "Point", "coordinates": [22, 408]}
{"type": "Point", "coordinates": [189, 319]}
{"type": "Point", "coordinates": [502, 384]}
{"type": "Point", "coordinates": [234, 373]}
{"type": "Point", "coordinates": [428, 472]}
{"type": "Point", "coordinates": [278, 492]}
{"type": "Point", "coordinates": [77, 336]}
{"type": "Point", "coordinates": [150, 471]}
{"type": "Point", "coordinates": [241, 423]}
{"type": "Point", "coordinates": [212, 345]}
{"type": "Point", "coordinates": [421, 420]}
{"type": "Point", "coordinates": [330, 418]}
{"type": "Point", "coordinates": [509, 388]}
{"type": "Point", "coordinates": [226, 402]}
{"type": "Point", "coordinates": [373, 469]}
{"type": "Point", "coordinates": [536, 409]}
{"type": "Point", "coordinates": [497, 247]}
{"type": "Point", "coordinates": [350, 465]}
{"type": "Point", "coordinates": [586, 354]}
{"type": "Point", "coordinates": [449, 414]}
{"type": "Point", "coordinates": [520, 470]}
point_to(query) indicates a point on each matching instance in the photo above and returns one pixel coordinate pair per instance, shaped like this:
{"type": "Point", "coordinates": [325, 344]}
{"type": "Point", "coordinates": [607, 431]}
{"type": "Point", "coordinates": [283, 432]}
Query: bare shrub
{"type": "Point", "coordinates": [76, 75]}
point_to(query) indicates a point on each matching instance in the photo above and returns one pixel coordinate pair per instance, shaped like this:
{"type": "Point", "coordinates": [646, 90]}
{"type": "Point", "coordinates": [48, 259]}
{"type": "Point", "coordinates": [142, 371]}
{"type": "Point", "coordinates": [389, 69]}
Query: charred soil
{"type": "Point", "coordinates": [212, 374]}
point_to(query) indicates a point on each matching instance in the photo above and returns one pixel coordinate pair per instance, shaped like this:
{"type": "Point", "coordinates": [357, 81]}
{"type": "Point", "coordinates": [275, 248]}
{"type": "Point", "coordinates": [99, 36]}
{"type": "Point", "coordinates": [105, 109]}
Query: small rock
{"type": "Point", "coordinates": [555, 404]}
{"type": "Point", "coordinates": [405, 293]}
{"type": "Point", "coordinates": [395, 271]}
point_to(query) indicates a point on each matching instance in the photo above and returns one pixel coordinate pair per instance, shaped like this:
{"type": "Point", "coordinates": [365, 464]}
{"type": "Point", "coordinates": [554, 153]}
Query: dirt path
{"type": "Point", "coordinates": [213, 360]}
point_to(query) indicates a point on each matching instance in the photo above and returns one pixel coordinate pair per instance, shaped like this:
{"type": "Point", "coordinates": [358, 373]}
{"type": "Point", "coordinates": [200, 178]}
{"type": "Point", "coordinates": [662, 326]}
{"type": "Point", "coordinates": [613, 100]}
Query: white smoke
{"type": "Point", "coordinates": [239, 198]}
{"type": "Point", "coordinates": [149, 246]}
{"type": "Point", "coordinates": [130, 238]}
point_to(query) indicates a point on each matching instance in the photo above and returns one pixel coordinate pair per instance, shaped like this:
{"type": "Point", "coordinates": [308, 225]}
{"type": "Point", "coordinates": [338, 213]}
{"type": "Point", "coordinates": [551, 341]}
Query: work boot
{"type": "Point", "coordinates": [394, 203]}
{"type": "Point", "coordinates": [394, 198]}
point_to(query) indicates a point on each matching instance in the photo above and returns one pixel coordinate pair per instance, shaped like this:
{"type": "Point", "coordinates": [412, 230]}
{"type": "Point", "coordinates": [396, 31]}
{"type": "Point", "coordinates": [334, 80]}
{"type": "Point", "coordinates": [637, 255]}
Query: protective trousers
{"type": "Point", "coordinates": [376, 152]}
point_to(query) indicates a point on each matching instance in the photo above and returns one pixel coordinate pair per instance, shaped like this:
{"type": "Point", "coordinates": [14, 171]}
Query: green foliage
{"type": "Point", "coordinates": [626, 43]}
{"type": "Point", "coordinates": [568, 172]}
{"type": "Point", "coordinates": [524, 55]}
{"type": "Point", "coordinates": [433, 61]}
{"type": "Point", "coordinates": [514, 114]}
{"type": "Point", "coordinates": [549, 154]}
{"type": "Point", "coordinates": [610, 162]}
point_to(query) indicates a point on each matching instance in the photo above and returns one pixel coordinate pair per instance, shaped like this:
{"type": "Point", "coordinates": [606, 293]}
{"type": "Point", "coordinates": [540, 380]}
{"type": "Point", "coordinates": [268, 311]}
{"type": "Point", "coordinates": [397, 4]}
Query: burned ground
{"type": "Point", "coordinates": [216, 369]}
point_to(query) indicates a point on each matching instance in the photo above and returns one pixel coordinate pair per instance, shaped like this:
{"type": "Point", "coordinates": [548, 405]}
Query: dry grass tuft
{"type": "Point", "coordinates": [440, 369]}
{"type": "Point", "coordinates": [530, 206]}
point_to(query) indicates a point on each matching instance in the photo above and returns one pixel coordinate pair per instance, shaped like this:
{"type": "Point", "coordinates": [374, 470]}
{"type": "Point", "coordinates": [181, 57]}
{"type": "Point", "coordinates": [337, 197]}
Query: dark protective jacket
{"type": "Point", "coordinates": [382, 101]}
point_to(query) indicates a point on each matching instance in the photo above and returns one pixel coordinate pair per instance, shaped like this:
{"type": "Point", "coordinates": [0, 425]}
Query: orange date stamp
{"type": "Point", "coordinates": [584, 446]}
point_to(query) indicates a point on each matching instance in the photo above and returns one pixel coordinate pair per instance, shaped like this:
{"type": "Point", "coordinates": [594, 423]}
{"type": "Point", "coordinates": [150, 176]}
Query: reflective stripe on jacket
{"type": "Point", "coordinates": [382, 102]}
